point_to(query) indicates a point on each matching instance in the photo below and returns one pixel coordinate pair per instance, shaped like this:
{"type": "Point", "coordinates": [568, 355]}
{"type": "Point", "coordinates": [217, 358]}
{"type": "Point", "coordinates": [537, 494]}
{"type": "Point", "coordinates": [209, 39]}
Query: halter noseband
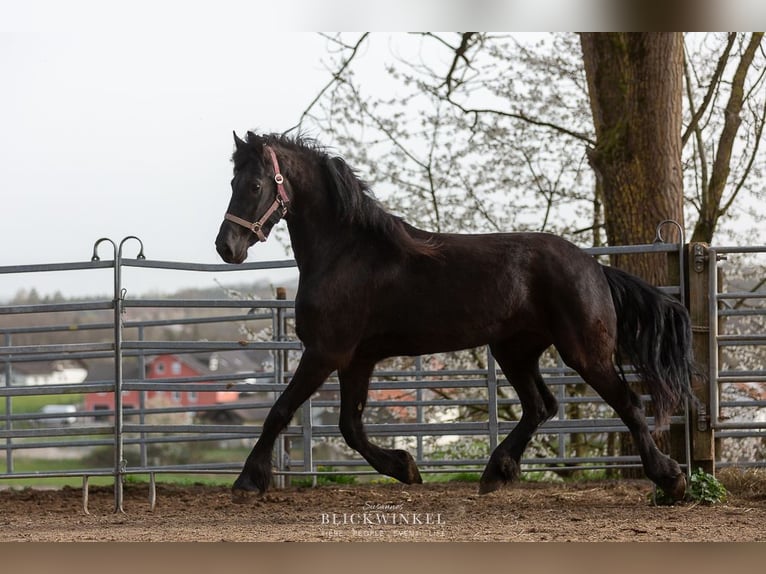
{"type": "Point", "coordinates": [278, 206]}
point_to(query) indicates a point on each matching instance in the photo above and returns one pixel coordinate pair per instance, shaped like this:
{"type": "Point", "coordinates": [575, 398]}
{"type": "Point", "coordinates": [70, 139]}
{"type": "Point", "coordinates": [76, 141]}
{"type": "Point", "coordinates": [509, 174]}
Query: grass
{"type": "Point", "coordinates": [28, 404]}
{"type": "Point", "coordinates": [29, 465]}
{"type": "Point", "coordinates": [324, 479]}
{"type": "Point", "coordinates": [21, 465]}
{"type": "Point", "coordinates": [439, 477]}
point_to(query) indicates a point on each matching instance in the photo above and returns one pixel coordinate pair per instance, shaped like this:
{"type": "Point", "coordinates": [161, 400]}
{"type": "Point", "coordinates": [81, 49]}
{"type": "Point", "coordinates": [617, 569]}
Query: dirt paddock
{"type": "Point", "coordinates": [591, 511]}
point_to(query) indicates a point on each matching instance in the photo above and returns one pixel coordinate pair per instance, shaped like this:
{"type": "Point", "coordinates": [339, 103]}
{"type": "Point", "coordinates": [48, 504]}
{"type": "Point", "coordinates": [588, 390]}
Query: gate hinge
{"type": "Point", "coordinates": [703, 420]}
{"type": "Point", "coordinates": [700, 256]}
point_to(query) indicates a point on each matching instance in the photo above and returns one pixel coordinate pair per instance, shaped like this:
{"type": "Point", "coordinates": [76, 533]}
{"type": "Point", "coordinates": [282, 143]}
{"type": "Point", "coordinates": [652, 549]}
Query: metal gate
{"type": "Point", "coordinates": [449, 410]}
{"type": "Point", "coordinates": [736, 278]}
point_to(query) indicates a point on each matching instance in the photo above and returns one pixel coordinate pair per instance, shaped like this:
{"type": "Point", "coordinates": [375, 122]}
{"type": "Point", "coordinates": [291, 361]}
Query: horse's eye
{"type": "Point", "coordinates": [257, 187]}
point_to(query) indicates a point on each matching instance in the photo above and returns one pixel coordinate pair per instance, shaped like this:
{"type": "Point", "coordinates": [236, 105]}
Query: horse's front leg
{"type": "Point", "coordinates": [354, 383]}
{"type": "Point", "coordinates": [312, 371]}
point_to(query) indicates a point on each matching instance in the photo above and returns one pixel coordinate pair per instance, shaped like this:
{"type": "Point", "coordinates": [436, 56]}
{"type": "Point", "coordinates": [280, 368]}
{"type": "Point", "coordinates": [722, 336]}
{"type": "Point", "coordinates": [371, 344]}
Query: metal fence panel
{"type": "Point", "coordinates": [449, 416]}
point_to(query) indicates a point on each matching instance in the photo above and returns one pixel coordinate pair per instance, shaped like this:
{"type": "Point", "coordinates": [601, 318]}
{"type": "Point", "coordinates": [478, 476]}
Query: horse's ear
{"type": "Point", "coordinates": [238, 142]}
{"type": "Point", "coordinates": [256, 140]}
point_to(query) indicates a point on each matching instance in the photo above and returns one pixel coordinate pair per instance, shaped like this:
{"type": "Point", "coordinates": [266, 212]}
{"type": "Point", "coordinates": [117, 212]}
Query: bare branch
{"type": "Point", "coordinates": [696, 129]}
{"type": "Point", "coordinates": [711, 90]}
{"type": "Point", "coordinates": [758, 134]}
{"type": "Point", "coordinates": [336, 77]}
{"type": "Point", "coordinates": [519, 116]}
{"type": "Point", "coordinates": [460, 52]}
{"type": "Point", "coordinates": [712, 210]}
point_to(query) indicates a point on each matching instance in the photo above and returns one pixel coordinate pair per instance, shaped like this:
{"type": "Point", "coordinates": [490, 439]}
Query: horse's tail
{"type": "Point", "coordinates": [654, 334]}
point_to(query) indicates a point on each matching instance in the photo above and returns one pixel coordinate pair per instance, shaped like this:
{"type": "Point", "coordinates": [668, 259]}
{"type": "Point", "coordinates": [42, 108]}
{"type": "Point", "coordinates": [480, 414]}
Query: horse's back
{"type": "Point", "coordinates": [484, 288]}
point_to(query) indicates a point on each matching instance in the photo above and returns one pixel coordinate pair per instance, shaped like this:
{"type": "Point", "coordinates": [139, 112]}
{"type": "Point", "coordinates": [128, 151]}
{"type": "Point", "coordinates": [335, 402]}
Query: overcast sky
{"type": "Point", "coordinates": [116, 117]}
{"type": "Point", "coordinates": [118, 121]}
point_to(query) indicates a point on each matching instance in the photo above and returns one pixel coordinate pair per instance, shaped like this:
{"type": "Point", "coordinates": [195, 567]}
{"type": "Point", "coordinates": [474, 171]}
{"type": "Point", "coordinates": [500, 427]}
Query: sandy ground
{"type": "Point", "coordinates": [596, 512]}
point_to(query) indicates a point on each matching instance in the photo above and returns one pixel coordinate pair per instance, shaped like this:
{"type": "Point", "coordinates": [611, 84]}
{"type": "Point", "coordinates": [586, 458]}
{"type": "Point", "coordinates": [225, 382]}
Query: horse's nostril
{"type": "Point", "coordinates": [224, 251]}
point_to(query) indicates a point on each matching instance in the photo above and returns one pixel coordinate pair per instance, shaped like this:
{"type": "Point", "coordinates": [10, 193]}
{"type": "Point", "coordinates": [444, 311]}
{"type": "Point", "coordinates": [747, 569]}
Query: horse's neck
{"type": "Point", "coordinates": [314, 232]}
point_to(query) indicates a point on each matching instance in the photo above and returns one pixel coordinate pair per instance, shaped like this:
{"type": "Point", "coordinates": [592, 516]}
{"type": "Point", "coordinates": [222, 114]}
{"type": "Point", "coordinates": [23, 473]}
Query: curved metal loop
{"type": "Point", "coordinates": [658, 232]}
{"type": "Point", "coordinates": [140, 243]}
{"type": "Point", "coordinates": [117, 249]}
{"type": "Point", "coordinates": [95, 256]}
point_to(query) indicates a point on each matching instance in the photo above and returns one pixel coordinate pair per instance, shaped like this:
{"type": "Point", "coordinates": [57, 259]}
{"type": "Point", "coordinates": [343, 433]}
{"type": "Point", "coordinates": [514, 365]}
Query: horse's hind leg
{"type": "Point", "coordinates": [519, 363]}
{"type": "Point", "coordinates": [354, 383]}
{"type": "Point", "coordinates": [310, 374]}
{"type": "Point", "coordinates": [660, 468]}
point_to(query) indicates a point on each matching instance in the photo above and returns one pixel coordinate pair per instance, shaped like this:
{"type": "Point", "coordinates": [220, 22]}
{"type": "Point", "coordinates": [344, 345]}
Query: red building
{"type": "Point", "coordinates": [170, 367]}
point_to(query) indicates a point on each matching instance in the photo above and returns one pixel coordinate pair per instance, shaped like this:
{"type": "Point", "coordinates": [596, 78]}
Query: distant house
{"type": "Point", "coordinates": [175, 366]}
{"type": "Point", "coordinates": [35, 373]}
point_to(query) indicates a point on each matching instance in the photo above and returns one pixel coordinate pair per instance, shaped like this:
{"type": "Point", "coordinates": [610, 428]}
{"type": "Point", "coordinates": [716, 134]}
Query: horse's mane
{"type": "Point", "coordinates": [353, 199]}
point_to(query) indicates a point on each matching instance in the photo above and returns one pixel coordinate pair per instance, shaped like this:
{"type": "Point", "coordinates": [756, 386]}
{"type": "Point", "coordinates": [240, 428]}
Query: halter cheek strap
{"type": "Point", "coordinates": [278, 206]}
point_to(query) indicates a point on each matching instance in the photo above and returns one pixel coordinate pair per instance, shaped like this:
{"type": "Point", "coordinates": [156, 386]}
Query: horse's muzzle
{"type": "Point", "coordinates": [231, 248]}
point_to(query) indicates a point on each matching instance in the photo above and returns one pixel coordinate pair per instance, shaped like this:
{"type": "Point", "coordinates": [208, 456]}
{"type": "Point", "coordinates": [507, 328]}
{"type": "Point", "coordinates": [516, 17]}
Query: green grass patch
{"type": "Point", "coordinates": [703, 488]}
{"type": "Point", "coordinates": [324, 479]}
{"type": "Point", "coordinates": [27, 404]}
{"type": "Point", "coordinates": [183, 479]}
{"type": "Point", "coordinates": [438, 477]}
{"type": "Point", "coordinates": [26, 465]}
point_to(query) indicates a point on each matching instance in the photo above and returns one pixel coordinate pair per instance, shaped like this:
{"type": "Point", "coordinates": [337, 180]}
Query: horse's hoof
{"type": "Point", "coordinates": [501, 470]}
{"type": "Point", "coordinates": [239, 496]}
{"type": "Point", "coordinates": [487, 486]}
{"type": "Point", "coordinates": [414, 475]}
{"type": "Point", "coordinates": [245, 489]}
{"type": "Point", "coordinates": [677, 490]}
{"type": "Point", "coordinates": [407, 472]}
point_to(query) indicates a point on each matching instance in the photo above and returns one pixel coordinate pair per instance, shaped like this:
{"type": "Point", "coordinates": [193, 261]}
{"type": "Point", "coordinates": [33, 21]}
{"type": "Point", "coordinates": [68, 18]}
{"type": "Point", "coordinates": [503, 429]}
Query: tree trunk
{"type": "Point", "coordinates": [635, 85]}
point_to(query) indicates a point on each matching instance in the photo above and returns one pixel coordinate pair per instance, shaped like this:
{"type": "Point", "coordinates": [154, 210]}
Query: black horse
{"type": "Point", "coordinates": [371, 286]}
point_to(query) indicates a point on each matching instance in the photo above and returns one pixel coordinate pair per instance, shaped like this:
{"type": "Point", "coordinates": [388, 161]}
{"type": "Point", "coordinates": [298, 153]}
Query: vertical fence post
{"type": "Point", "coordinates": [419, 415]}
{"type": "Point", "coordinates": [119, 297]}
{"type": "Point", "coordinates": [679, 434]}
{"type": "Point", "coordinates": [307, 428]}
{"type": "Point", "coordinates": [8, 407]}
{"type": "Point", "coordinates": [280, 361]}
{"type": "Point", "coordinates": [144, 454]}
{"type": "Point", "coordinates": [494, 428]}
{"type": "Point", "coordinates": [700, 294]}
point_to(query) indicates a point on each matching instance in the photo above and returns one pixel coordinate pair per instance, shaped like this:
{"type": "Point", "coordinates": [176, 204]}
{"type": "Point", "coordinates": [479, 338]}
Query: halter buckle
{"type": "Point", "coordinates": [282, 205]}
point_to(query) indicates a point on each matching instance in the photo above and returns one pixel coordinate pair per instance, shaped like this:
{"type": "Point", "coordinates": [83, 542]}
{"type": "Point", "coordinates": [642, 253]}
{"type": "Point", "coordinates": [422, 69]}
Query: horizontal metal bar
{"type": "Point", "coordinates": [188, 346]}
{"type": "Point", "coordinates": [742, 379]}
{"type": "Point", "coordinates": [741, 249]}
{"type": "Point", "coordinates": [741, 295]}
{"type": "Point", "coordinates": [59, 431]}
{"type": "Point", "coordinates": [71, 327]}
{"type": "Point", "coordinates": [740, 340]}
{"type": "Point", "coordinates": [748, 404]}
{"type": "Point", "coordinates": [62, 348]}
{"type": "Point", "coordinates": [760, 425]}
{"type": "Point", "coordinates": [197, 320]}
{"type": "Point", "coordinates": [215, 267]}
{"type": "Point", "coordinates": [61, 389]}
{"type": "Point", "coordinates": [55, 307]}
{"type": "Point", "coordinates": [212, 303]}
{"type": "Point", "coordinates": [47, 267]}
{"type": "Point", "coordinates": [41, 357]}
{"type": "Point", "coordinates": [57, 474]}
{"type": "Point", "coordinates": [629, 249]}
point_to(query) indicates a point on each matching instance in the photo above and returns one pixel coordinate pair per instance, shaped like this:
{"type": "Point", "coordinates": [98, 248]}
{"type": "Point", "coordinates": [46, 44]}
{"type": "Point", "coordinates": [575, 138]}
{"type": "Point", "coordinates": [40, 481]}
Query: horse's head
{"type": "Point", "coordinates": [258, 198]}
